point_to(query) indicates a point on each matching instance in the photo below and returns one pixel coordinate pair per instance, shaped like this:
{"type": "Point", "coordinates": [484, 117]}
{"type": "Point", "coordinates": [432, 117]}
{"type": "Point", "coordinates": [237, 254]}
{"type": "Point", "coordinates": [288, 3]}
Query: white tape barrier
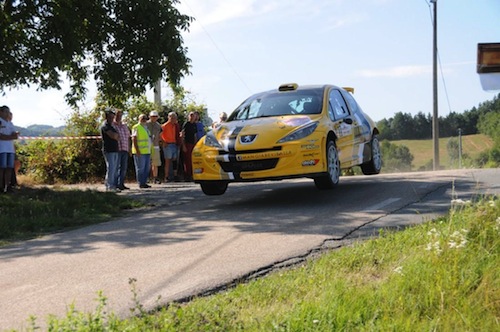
{"type": "Point", "coordinates": [56, 137]}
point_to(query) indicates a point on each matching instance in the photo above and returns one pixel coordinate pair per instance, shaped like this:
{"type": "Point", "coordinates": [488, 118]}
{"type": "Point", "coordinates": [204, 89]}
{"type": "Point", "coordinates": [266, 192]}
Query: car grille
{"type": "Point", "coordinates": [248, 165]}
{"type": "Point", "coordinates": [251, 165]}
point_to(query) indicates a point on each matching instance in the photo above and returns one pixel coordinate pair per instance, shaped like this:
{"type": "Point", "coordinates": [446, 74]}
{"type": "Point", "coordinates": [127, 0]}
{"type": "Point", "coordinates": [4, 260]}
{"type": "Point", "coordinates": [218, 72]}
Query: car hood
{"type": "Point", "coordinates": [259, 132]}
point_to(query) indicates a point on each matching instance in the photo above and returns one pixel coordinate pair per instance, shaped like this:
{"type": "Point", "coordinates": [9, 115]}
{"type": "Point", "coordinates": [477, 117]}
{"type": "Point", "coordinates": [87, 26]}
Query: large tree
{"type": "Point", "coordinates": [125, 45]}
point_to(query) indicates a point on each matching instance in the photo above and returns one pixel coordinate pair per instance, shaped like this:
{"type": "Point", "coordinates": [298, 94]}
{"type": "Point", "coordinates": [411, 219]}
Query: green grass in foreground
{"type": "Point", "coordinates": [31, 212]}
{"type": "Point", "coordinates": [439, 276]}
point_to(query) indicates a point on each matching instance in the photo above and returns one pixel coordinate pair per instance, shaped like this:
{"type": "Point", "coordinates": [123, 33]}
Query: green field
{"type": "Point", "coordinates": [422, 151]}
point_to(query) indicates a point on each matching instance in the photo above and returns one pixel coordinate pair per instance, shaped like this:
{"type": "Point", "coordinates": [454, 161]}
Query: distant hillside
{"type": "Point", "coordinates": [41, 130]}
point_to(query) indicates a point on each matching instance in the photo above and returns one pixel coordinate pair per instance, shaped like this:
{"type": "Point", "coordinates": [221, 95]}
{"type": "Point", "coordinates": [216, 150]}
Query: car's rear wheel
{"type": "Point", "coordinates": [213, 188]}
{"type": "Point", "coordinates": [331, 179]}
{"type": "Point", "coordinates": [375, 164]}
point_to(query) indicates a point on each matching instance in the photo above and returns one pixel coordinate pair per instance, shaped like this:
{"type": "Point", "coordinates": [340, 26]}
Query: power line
{"type": "Point", "coordinates": [444, 83]}
{"type": "Point", "coordinates": [217, 47]}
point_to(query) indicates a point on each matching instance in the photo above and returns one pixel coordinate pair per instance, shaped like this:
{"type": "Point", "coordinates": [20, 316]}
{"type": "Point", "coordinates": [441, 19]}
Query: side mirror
{"type": "Point", "coordinates": [488, 65]}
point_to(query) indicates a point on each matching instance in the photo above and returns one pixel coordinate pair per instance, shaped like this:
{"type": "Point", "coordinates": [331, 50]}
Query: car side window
{"type": "Point", "coordinates": [353, 105]}
{"type": "Point", "coordinates": [338, 107]}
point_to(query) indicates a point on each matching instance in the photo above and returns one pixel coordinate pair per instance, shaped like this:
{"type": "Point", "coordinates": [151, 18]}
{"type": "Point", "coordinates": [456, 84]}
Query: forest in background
{"type": "Point", "coordinates": [404, 126]}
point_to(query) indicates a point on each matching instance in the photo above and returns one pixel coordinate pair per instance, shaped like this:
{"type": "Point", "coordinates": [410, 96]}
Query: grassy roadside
{"type": "Point", "coordinates": [439, 276]}
{"type": "Point", "coordinates": [31, 212]}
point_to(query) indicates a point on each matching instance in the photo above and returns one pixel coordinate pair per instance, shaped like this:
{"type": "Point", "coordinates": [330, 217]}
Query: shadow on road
{"type": "Point", "coordinates": [287, 207]}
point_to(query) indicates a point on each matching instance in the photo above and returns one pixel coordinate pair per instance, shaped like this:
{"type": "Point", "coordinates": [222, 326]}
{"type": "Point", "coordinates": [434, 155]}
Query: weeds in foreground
{"type": "Point", "coordinates": [439, 276]}
{"type": "Point", "coordinates": [32, 212]}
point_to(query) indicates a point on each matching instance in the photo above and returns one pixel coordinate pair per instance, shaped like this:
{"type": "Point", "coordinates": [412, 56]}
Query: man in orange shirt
{"type": "Point", "coordinates": [170, 136]}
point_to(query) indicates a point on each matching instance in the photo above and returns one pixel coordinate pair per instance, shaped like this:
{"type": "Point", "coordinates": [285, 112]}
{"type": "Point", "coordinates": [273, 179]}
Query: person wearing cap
{"type": "Point", "coordinates": [155, 129]}
{"type": "Point", "coordinates": [110, 139]}
{"type": "Point", "coordinates": [141, 150]}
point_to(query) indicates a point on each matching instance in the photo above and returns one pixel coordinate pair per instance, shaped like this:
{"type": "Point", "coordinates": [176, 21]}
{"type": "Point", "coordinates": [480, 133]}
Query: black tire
{"type": "Point", "coordinates": [375, 164]}
{"type": "Point", "coordinates": [331, 179]}
{"type": "Point", "coordinates": [213, 188]}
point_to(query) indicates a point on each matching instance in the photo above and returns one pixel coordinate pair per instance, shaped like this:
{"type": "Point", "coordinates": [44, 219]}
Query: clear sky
{"type": "Point", "coordinates": [382, 48]}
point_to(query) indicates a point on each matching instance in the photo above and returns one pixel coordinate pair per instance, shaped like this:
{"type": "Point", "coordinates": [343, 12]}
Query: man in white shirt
{"type": "Point", "coordinates": [7, 151]}
{"type": "Point", "coordinates": [155, 130]}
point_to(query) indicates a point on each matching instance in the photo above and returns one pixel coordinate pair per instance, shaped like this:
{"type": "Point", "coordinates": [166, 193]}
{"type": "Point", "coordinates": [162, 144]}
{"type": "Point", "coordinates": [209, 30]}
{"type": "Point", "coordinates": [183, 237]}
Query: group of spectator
{"type": "Point", "coordinates": [149, 143]}
{"type": "Point", "coordinates": [7, 151]}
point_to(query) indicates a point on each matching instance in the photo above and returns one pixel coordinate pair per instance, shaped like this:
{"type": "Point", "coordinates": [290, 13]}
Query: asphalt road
{"type": "Point", "coordinates": [187, 243]}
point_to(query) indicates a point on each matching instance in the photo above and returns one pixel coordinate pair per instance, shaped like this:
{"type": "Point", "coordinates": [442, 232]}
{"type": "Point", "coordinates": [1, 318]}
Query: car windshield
{"type": "Point", "coordinates": [279, 103]}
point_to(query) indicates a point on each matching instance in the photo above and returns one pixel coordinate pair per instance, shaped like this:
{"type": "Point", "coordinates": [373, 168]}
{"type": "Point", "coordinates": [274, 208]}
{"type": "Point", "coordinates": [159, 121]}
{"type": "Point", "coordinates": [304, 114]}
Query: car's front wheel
{"type": "Point", "coordinates": [213, 188]}
{"type": "Point", "coordinates": [375, 164]}
{"type": "Point", "coordinates": [331, 179]}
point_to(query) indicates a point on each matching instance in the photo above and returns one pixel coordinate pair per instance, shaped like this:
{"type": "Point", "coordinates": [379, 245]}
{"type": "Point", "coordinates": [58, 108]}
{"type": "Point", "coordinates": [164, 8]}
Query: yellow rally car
{"type": "Point", "coordinates": [294, 131]}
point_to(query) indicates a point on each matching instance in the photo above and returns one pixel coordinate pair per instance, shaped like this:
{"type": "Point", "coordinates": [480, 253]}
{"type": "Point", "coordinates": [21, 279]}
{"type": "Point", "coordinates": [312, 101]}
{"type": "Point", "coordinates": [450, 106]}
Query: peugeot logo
{"type": "Point", "coordinates": [247, 139]}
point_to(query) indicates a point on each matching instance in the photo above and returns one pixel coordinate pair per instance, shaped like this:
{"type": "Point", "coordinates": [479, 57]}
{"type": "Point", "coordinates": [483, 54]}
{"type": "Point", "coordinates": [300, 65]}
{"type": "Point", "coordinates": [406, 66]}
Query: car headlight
{"type": "Point", "coordinates": [211, 141]}
{"type": "Point", "coordinates": [300, 133]}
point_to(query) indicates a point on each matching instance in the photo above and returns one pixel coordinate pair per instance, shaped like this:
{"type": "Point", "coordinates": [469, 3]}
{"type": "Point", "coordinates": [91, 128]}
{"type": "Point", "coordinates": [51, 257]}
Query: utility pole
{"type": "Point", "coordinates": [460, 148]}
{"type": "Point", "coordinates": [157, 93]}
{"type": "Point", "coordinates": [435, 118]}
